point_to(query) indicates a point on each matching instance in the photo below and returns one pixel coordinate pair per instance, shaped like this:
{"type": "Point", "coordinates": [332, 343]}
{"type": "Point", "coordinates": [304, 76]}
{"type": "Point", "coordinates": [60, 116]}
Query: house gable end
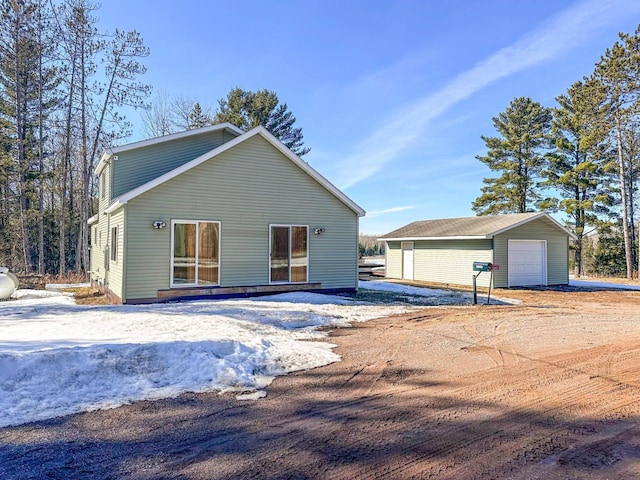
{"type": "Point", "coordinates": [136, 167]}
{"type": "Point", "coordinates": [271, 141]}
{"type": "Point", "coordinates": [246, 189]}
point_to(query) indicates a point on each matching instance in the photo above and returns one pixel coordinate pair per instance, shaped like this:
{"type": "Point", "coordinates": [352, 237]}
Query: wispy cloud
{"type": "Point", "coordinates": [377, 213]}
{"type": "Point", "coordinates": [562, 33]}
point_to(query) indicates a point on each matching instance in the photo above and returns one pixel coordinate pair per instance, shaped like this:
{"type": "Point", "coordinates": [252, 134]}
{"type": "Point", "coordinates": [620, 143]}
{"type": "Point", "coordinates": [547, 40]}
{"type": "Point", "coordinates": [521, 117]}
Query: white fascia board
{"type": "Point", "coordinates": [164, 138]}
{"type": "Point", "coordinates": [103, 161]}
{"type": "Point", "coordinates": [559, 225]}
{"type": "Point", "coordinates": [93, 219]}
{"type": "Point", "coordinates": [228, 145]}
{"type": "Point", "coordinates": [413, 239]}
{"type": "Point", "coordinates": [117, 203]}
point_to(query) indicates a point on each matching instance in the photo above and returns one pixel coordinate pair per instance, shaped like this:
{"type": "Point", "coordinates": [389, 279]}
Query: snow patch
{"type": "Point", "coordinates": [58, 358]}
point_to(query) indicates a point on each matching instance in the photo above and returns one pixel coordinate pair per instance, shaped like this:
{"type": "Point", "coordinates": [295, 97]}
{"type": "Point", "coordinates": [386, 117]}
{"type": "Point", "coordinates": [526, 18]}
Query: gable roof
{"type": "Point", "coordinates": [469, 228]}
{"type": "Point", "coordinates": [165, 138]}
{"type": "Point", "coordinates": [264, 133]}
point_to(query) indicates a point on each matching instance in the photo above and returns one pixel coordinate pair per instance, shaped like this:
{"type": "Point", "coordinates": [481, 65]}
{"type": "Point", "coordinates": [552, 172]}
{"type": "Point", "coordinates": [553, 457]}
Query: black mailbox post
{"type": "Point", "coordinates": [480, 267]}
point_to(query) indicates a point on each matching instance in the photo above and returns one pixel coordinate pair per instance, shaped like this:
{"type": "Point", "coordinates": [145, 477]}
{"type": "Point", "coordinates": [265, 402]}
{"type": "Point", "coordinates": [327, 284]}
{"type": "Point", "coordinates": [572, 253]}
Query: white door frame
{"type": "Point", "coordinates": [408, 261]}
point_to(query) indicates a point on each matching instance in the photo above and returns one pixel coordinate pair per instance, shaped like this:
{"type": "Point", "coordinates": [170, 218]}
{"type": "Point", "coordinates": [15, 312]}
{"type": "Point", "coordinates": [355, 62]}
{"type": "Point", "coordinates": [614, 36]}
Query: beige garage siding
{"type": "Point", "coordinates": [442, 261]}
{"type": "Point", "coordinates": [557, 251]}
{"type": "Point", "coordinates": [393, 259]}
{"type": "Point", "coordinates": [449, 261]}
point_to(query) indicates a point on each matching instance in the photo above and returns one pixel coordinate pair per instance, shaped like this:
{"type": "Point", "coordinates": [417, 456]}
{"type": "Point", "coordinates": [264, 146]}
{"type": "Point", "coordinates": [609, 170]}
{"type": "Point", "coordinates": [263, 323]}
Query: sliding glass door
{"type": "Point", "coordinates": [289, 254]}
{"type": "Point", "coordinates": [195, 253]}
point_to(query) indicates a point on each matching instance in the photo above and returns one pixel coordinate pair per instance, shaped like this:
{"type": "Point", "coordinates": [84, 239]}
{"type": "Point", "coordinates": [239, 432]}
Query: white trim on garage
{"type": "Point", "coordinates": [527, 263]}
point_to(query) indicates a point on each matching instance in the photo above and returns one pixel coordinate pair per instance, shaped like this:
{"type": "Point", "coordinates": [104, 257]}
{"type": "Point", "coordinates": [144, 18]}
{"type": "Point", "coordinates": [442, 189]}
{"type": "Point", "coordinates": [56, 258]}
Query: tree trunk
{"type": "Point", "coordinates": [66, 160]}
{"type": "Point", "coordinates": [628, 247]}
{"type": "Point", "coordinates": [41, 267]}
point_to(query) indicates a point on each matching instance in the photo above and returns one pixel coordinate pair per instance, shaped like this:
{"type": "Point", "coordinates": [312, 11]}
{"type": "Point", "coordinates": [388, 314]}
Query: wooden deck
{"type": "Point", "coordinates": [236, 291]}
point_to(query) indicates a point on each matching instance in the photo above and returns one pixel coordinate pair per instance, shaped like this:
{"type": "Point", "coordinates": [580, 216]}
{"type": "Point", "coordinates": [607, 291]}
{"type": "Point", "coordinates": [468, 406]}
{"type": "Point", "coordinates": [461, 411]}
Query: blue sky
{"type": "Point", "coordinates": [392, 96]}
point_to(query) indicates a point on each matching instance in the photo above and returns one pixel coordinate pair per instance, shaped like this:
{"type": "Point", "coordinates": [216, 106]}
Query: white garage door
{"type": "Point", "coordinates": [527, 263]}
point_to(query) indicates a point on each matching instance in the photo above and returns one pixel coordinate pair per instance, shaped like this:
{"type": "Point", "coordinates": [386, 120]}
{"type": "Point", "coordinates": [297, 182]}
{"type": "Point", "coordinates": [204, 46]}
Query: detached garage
{"type": "Point", "coordinates": [526, 249]}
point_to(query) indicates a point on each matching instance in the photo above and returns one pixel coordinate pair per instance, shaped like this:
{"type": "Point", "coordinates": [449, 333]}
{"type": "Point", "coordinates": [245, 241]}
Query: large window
{"type": "Point", "coordinates": [195, 253]}
{"type": "Point", "coordinates": [289, 254]}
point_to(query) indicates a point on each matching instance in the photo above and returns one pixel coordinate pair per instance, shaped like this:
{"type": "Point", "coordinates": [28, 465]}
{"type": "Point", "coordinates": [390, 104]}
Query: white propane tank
{"type": "Point", "coordinates": [8, 283]}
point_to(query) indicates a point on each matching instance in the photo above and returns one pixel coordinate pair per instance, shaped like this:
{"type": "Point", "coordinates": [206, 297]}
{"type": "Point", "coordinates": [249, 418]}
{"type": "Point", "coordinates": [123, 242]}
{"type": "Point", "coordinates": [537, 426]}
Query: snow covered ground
{"type": "Point", "coordinates": [597, 284]}
{"type": "Point", "coordinates": [58, 358]}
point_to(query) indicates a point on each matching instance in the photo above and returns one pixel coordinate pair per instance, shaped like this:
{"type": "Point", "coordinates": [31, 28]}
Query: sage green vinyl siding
{"type": "Point", "coordinates": [451, 261]}
{"type": "Point", "coordinates": [442, 261]}
{"type": "Point", "coordinates": [137, 167]}
{"type": "Point", "coordinates": [246, 188]}
{"type": "Point", "coordinates": [557, 251]}
{"type": "Point", "coordinates": [116, 269]}
{"type": "Point", "coordinates": [99, 244]}
{"type": "Point", "coordinates": [393, 259]}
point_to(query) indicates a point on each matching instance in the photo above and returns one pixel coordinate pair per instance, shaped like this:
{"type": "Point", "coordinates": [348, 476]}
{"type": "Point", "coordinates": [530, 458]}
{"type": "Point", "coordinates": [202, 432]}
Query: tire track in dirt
{"type": "Point", "coordinates": [577, 394]}
{"type": "Point", "coordinates": [453, 441]}
{"type": "Point", "coordinates": [511, 427]}
{"type": "Point", "coordinates": [488, 387]}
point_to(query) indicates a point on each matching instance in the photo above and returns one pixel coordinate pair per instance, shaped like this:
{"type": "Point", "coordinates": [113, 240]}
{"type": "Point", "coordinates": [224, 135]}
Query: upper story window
{"type": "Point", "coordinates": [103, 184]}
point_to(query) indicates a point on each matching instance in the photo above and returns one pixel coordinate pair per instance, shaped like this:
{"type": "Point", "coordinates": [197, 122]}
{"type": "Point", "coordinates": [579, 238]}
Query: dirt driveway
{"type": "Point", "coordinates": [549, 389]}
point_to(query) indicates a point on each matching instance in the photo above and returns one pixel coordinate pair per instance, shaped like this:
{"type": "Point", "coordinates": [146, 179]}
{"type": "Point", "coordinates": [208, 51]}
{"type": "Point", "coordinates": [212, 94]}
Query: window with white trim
{"type": "Point", "coordinates": [195, 253]}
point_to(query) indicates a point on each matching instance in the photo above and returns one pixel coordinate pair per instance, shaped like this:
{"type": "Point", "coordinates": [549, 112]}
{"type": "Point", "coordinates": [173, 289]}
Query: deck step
{"type": "Point", "coordinates": [249, 290]}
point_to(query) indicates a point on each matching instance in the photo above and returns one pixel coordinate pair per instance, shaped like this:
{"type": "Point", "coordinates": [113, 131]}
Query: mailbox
{"type": "Point", "coordinates": [482, 266]}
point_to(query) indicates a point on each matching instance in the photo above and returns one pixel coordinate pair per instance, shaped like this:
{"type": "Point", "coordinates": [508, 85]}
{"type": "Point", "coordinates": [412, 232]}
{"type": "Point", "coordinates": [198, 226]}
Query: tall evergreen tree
{"type": "Point", "coordinates": [518, 153]}
{"type": "Point", "coordinates": [577, 168]}
{"type": "Point", "coordinates": [26, 83]}
{"type": "Point", "coordinates": [198, 118]}
{"type": "Point", "coordinates": [617, 74]}
{"type": "Point", "coordinates": [246, 109]}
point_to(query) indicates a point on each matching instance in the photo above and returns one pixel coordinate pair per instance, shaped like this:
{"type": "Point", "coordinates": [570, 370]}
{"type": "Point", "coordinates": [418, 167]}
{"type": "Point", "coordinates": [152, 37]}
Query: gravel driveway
{"type": "Point", "coordinates": [547, 389]}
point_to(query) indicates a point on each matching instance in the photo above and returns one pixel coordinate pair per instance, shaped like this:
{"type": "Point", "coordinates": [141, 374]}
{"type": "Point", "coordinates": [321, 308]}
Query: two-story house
{"type": "Point", "coordinates": [218, 211]}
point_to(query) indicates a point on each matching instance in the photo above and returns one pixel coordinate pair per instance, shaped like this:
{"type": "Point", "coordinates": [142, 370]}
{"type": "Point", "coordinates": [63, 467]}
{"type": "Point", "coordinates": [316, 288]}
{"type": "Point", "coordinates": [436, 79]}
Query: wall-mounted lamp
{"type": "Point", "coordinates": [318, 230]}
{"type": "Point", "coordinates": [159, 224]}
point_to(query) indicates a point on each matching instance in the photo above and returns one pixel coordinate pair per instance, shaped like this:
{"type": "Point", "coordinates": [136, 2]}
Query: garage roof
{"type": "Point", "coordinates": [481, 227]}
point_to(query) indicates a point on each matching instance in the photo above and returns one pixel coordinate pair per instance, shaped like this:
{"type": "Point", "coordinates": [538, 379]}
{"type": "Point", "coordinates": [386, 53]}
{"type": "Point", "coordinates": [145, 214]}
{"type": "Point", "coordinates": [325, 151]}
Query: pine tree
{"type": "Point", "coordinates": [617, 74]}
{"type": "Point", "coordinates": [197, 118]}
{"type": "Point", "coordinates": [246, 109]}
{"type": "Point", "coordinates": [26, 83]}
{"type": "Point", "coordinates": [577, 168]}
{"type": "Point", "coordinates": [518, 153]}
